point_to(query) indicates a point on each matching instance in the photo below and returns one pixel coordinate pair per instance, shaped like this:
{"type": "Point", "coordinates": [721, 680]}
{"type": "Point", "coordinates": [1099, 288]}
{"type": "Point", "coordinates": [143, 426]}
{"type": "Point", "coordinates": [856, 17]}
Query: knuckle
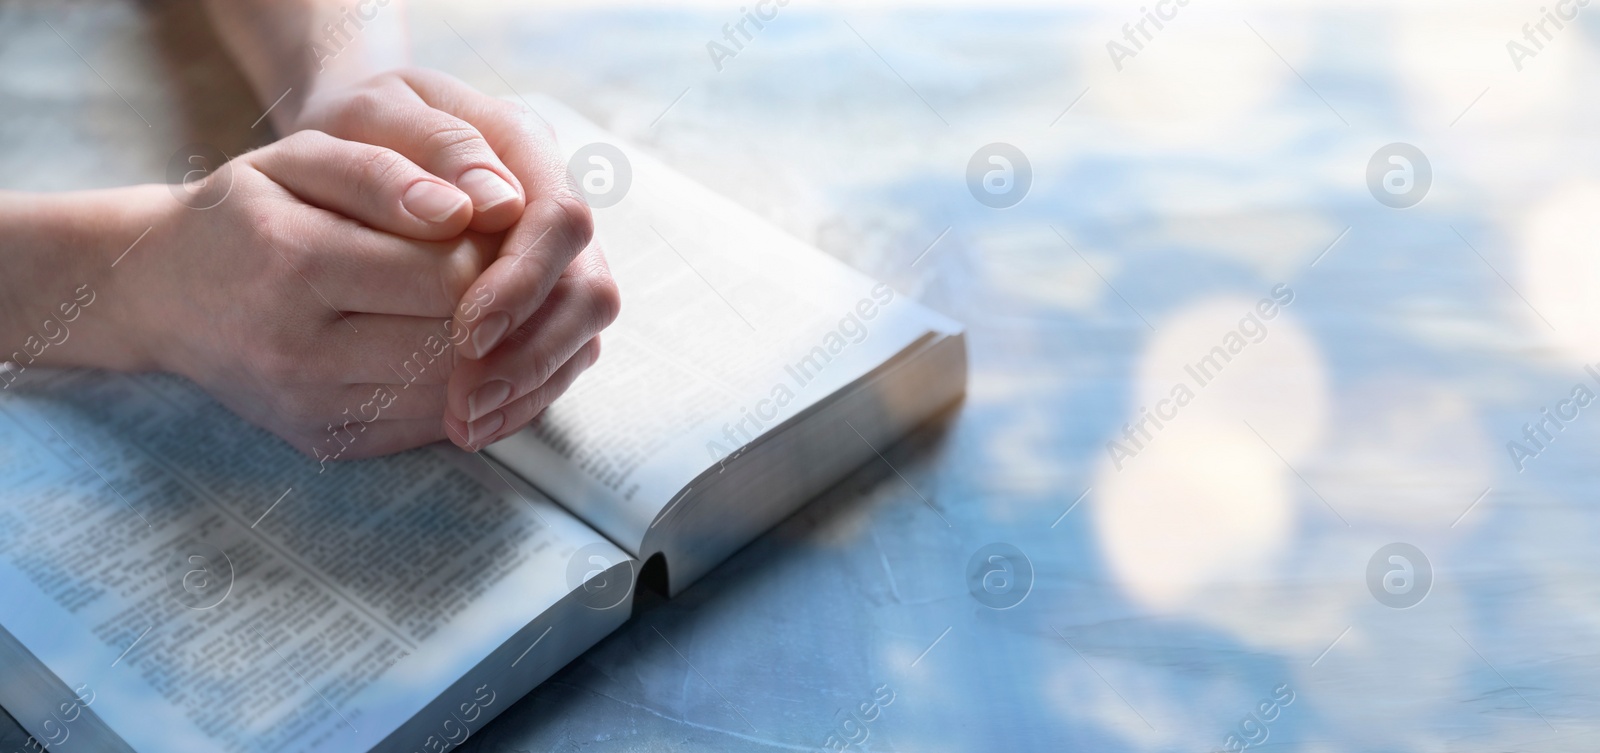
{"type": "Point", "coordinates": [393, 77]}
{"type": "Point", "coordinates": [300, 141]}
{"type": "Point", "coordinates": [363, 106]}
{"type": "Point", "coordinates": [568, 214]}
{"type": "Point", "coordinates": [543, 365]}
{"type": "Point", "coordinates": [303, 263]}
{"type": "Point", "coordinates": [454, 137]}
{"type": "Point", "coordinates": [379, 168]}
{"type": "Point", "coordinates": [289, 353]}
{"type": "Point", "coordinates": [279, 360]}
{"type": "Point", "coordinates": [410, 75]}
{"type": "Point", "coordinates": [550, 390]}
{"type": "Point", "coordinates": [535, 360]}
{"type": "Point", "coordinates": [504, 111]}
{"type": "Point", "coordinates": [460, 268]}
{"type": "Point", "coordinates": [544, 127]}
{"type": "Point", "coordinates": [605, 300]}
{"type": "Point", "coordinates": [530, 123]}
{"type": "Point", "coordinates": [541, 258]}
{"type": "Point", "coordinates": [463, 266]}
{"type": "Point", "coordinates": [284, 253]}
{"type": "Point", "coordinates": [534, 402]}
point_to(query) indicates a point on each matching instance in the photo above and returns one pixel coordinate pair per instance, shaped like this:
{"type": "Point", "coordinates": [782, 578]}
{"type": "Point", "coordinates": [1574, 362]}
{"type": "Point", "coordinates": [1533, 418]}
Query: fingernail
{"type": "Point", "coordinates": [489, 397]}
{"type": "Point", "coordinates": [487, 189]}
{"type": "Point", "coordinates": [480, 430]}
{"type": "Point", "coordinates": [488, 334]}
{"type": "Point", "coordinates": [432, 202]}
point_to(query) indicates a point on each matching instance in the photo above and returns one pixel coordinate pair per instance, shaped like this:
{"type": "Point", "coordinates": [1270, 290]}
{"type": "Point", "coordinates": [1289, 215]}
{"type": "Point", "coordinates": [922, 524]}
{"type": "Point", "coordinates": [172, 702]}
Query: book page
{"type": "Point", "coordinates": [729, 327]}
{"type": "Point", "coordinates": [201, 586]}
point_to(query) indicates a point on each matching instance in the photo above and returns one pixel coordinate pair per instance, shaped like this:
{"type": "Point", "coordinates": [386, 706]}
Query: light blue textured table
{"type": "Point", "coordinates": [1217, 571]}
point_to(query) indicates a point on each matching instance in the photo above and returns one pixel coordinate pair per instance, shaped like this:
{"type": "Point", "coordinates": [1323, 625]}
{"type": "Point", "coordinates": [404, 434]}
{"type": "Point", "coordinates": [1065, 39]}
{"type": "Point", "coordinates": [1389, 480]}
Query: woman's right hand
{"type": "Point", "coordinates": [286, 284]}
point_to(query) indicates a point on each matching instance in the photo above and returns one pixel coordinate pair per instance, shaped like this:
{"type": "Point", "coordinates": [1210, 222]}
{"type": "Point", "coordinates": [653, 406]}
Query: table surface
{"type": "Point", "coordinates": [1176, 575]}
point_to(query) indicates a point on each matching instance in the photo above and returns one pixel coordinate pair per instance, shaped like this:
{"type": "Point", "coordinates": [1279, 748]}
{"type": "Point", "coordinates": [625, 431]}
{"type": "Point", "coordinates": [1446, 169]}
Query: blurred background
{"type": "Point", "coordinates": [1223, 576]}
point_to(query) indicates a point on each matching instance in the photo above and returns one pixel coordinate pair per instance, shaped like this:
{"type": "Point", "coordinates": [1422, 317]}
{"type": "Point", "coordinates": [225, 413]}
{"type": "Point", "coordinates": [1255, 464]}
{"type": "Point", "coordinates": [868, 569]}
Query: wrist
{"type": "Point", "coordinates": [67, 299]}
{"type": "Point", "coordinates": [138, 277]}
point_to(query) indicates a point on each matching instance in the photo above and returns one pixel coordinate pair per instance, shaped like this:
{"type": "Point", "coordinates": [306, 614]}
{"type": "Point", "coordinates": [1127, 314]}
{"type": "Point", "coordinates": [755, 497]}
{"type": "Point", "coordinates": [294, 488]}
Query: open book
{"type": "Point", "coordinates": [173, 580]}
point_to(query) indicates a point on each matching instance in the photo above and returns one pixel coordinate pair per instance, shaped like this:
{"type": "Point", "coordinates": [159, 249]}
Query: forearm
{"type": "Point", "coordinates": [290, 48]}
{"type": "Point", "coordinates": [61, 257]}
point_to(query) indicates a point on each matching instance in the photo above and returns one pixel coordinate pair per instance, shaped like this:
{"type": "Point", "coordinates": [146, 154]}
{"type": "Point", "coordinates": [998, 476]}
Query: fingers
{"type": "Point", "coordinates": [583, 303]}
{"type": "Point", "coordinates": [400, 351]}
{"type": "Point", "coordinates": [334, 417]}
{"type": "Point", "coordinates": [553, 229]}
{"type": "Point", "coordinates": [357, 349]}
{"type": "Point", "coordinates": [527, 269]}
{"type": "Point", "coordinates": [352, 268]}
{"type": "Point", "coordinates": [370, 184]}
{"type": "Point", "coordinates": [516, 415]}
{"type": "Point", "coordinates": [443, 144]}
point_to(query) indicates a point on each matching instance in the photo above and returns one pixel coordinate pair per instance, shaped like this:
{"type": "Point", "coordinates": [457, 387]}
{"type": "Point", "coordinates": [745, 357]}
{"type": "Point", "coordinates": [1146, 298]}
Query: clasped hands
{"type": "Point", "coordinates": [412, 263]}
